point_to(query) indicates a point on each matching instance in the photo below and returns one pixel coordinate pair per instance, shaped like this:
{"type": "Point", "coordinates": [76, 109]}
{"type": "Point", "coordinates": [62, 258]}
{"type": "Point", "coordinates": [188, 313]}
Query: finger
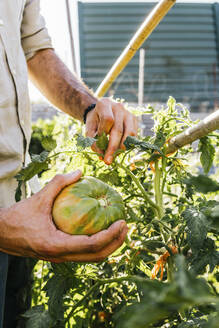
{"type": "Point", "coordinates": [58, 183]}
{"type": "Point", "coordinates": [130, 128]}
{"type": "Point", "coordinates": [115, 137]}
{"type": "Point", "coordinates": [97, 256]}
{"type": "Point", "coordinates": [106, 117]}
{"type": "Point", "coordinates": [67, 244]}
{"type": "Point", "coordinates": [91, 130]}
{"type": "Point", "coordinates": [92, 124]}
{"type": "Point", "coordinates": [96, 149]}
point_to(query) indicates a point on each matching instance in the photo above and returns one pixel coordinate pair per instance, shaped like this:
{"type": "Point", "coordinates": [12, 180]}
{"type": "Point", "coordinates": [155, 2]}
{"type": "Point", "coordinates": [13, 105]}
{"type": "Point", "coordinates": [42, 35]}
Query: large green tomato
{"type": "Point", "coordinates": [87, 206]}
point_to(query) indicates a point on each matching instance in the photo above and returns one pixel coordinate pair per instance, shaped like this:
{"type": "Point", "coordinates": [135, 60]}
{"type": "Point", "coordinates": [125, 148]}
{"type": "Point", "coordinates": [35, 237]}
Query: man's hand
{"type": "Point", "coordinates": [27, 229]}
{"type": "Point", "coordinates": [113, 119]}
{"type": "Point", "coordinates": [68, 93]}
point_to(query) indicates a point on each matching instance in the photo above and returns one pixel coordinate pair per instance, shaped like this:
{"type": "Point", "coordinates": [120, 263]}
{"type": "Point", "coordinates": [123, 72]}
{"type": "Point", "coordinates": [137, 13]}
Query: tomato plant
{"type": "Point", "coordinates": [166, 273]}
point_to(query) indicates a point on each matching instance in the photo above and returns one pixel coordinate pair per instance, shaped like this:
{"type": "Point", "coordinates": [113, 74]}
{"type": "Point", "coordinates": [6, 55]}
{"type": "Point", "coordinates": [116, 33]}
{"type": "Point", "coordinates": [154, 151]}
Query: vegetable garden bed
{"type": "Point", "coordinates": [166, 273]}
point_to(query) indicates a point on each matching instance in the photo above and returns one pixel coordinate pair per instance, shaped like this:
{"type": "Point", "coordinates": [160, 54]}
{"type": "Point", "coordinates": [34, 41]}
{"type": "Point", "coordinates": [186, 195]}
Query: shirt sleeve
{"type": "Point", "coordinates": [34, 34]}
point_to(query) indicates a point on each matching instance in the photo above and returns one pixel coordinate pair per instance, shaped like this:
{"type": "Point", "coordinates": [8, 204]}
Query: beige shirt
{"type": "Point", "coordinates": [22, 33]}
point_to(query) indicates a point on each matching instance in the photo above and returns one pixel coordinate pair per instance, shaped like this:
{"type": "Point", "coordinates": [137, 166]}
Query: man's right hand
{"type": "Point", "coordinates": [27, 229]}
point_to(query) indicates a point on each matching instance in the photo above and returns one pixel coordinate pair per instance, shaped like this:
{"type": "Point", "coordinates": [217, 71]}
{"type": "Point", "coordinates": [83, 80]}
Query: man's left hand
{"type": "Point", "coordinates": [112, 118]}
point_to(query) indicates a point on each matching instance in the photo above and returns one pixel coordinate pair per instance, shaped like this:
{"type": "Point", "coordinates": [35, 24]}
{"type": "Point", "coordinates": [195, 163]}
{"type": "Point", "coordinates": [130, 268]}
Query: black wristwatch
{"type": "Point", "coordinates": [87, 110]}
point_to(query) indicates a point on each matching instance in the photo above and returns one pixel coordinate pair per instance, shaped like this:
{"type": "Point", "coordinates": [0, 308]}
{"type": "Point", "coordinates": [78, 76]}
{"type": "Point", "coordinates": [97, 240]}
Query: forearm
{"type": "Point", "coordinates": [58, 84]}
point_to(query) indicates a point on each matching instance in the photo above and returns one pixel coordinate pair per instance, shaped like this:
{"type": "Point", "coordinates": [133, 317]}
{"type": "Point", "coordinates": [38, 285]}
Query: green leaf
{"type": "Point", "coordinates": [84, 142]}
{"type": "Point", "coordinates": [153, 303]}
{"type": "Point", "coordinates": [215, 212]}
{"type": "Point", "coordinates": [38, 317]}
{"type": "Point", "coordinates": [110, 177]}
{"type": "Point", "coordinates": [80, 322]}
{"type": "Point", "coordinates": [55, 289]}
{"type": "Point", "coordinates": [192, 323]}
{"type": "Point", "coordinates": [214, 215]}
{"type": "Point", "coordinates": [171, 104]}
{"type": "Point", "coordinates": [39, 163]}
{"type": "Point", "coordinates": [102, 142]}
{"type": "Point", "coordinates": [213, 320]}
{"type": "Point", "coordinates": [18, 192]}
{"type": "Point", "coordinates": [197, 225]}
{"type": "Point", "coordinates": [207, 153]}
{"type": "Point", "coordinates": [65, 269]}
{"type": "Point", "coordinates": [32, 169]}
{"type": "Point", "coordinates": [162, 300]}
{"type": "Point", "coordinates": [131, 215]}
{"type": "Point", "coordinates": [133, 142]}
{"type": "Point", "coordinates": [210, 258]}
{"type": "Point", "coordinates": [193, 290]}
{"type": "Point", "coordinates": [49, 143]}
{"type": "Point", "coordinates": [202, 183]}
{"type": "Point", "coordinates": [160, 139]}
{"type": "Point", "coordinates": [207, 255]}
{"type": "Point", "coordinates": [146, 257]}
{"type": "Point", "coordinates": [153, 244]}
{"type": "Point", "coordinates": [40, 158]}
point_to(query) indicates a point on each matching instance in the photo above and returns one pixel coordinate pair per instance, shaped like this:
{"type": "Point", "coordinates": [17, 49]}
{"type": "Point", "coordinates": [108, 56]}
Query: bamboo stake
{"type": "Point", "coordinates": [149, 24]}
{"type": "Point", "coordinates": [207, 125]}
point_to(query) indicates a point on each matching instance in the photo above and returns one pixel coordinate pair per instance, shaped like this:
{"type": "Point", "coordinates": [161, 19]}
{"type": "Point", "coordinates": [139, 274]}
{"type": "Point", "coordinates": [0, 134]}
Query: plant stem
{"type": "Point", "coordinates": [132, 196]}
{"type": "Point", "coordinates": [125, 155]}
{"type": "Point", "coordinates": [121, 279]}
{"type": "Point", "coordinates": [164, 164]}
{"type": "Point", "coordinates": [170, 269]}
{"type": "Point", "coordinates": [72, 152]}
{"type": "Point", "coordinates": [170, 194]}
{"type": "Point", "coordinates": [182, 315]}
{"type": "Point", "coordinates": [157, 188]}
{"type": "Point", "coordinates": [163, 224]}
{"type": "Point", "coordinates": [154, 206]}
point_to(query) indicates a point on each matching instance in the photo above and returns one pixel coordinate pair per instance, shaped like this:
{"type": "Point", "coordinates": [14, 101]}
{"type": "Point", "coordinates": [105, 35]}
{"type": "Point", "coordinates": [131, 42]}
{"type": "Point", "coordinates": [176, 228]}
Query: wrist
{"type": "Point", "coordinates": [3, 215]}
{"type": "Point", "coordinates": [4, 230]}
{"type": "Point", "coordinates": [87, 110]}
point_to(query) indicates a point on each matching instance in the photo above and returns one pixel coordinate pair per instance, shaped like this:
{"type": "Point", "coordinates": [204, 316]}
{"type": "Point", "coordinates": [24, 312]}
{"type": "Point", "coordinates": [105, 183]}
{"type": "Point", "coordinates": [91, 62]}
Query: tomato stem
{"type": "Point", "coordinates": [72, 152]}
{"type": "Point", "coordinates": [170, 269]}
{"type": "Point", "coordinates": [155, 207]}
{"type": "Point", "coordinates": [157, 188]}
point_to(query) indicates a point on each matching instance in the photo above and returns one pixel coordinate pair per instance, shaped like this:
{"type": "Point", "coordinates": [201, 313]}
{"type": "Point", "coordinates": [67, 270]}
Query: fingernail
{"type": "Point", "coordinates": [109, 160]}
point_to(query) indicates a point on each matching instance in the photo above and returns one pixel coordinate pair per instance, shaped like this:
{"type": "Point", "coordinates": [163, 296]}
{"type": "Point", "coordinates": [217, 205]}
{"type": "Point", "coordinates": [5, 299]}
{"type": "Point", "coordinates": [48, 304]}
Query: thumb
{"type": "Point", "coordinates": [60, 181]}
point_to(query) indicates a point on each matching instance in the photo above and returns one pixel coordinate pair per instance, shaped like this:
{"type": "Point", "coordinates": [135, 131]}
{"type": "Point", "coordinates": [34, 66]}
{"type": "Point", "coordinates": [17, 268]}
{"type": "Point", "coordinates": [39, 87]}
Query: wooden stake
{"type": "Point", "coordinates": [203, 128]}
{"type": "Point", "coordinates": [149, 24]}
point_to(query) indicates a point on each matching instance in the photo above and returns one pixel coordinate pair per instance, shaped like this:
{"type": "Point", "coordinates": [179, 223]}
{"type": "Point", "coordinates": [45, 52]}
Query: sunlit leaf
{"type": "Point", "coordinates": [49, 143]}
{"type": "Point", "coordinates": [38, 317]}
{"type": "Point", "coordinates": [202, 183]}
{"type": "Point", "coordinates": [197, 225]}
{"type": "Point", "coordinates": [133, 142]}
{"type": "Point", "coordinates": [84, 142]}
{"type": "Point", "coordinates": [102, 142]}
{"type": "Point", "coordinates": [207, 151]}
